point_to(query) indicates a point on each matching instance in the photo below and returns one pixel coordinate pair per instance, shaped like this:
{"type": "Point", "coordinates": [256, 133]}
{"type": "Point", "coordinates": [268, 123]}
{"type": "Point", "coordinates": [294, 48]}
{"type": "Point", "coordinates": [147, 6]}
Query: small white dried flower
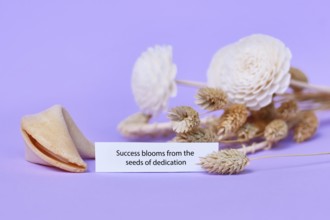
{"type": "Point", "coordinates": [153, 79]}
{"type": "Point", "coordinates": [251, 70]}
{"type": "Point", "coordinates": [184, 119]}
{"type": "Point", "coordinates": [228, 161]}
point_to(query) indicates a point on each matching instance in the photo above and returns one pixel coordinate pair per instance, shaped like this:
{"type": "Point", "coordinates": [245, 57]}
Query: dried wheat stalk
{"type": "Point", "coordinates": [232, 161]}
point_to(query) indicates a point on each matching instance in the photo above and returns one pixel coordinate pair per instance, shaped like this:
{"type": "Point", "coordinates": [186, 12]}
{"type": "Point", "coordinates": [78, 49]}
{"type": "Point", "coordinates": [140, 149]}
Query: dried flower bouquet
{"type": "Point", "coordinates": [251, 82]}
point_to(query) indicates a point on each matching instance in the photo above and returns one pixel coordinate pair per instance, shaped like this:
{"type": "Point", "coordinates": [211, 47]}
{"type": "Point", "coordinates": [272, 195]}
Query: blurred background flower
{"type": "Point", "coordinates": [153, 79]}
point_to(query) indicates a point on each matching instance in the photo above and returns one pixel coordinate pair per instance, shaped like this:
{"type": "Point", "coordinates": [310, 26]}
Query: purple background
{"type": "Point", "coordinates": [80, 54]}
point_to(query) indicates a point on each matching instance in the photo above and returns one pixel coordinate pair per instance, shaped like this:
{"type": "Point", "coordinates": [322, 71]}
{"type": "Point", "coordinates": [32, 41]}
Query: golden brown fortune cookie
{"type": "Point", "coordinates": [53, 139]}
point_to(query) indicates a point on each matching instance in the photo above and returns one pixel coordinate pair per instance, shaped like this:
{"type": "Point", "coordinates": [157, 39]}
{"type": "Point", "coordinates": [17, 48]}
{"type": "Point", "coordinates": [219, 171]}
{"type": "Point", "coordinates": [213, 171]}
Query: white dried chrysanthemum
{"type": "Point", "coordinates": [153, 79]}
{"type": "Point", "coordinates": [251, 70]}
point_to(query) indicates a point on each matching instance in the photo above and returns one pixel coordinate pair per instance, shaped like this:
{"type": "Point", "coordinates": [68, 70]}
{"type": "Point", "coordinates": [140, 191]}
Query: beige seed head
{"type": "Point", "coordinates": [211, 99]}
{"type": "Point", "coordinates": [231, 120]}
{"type": "Point", "coordinates": [212, 125]}
{"type": "Point", "coordinates": [266, 113]}
{"type": "Point", "coordinates": [287, 110]}
{"type": "Point", "coordinates": [197, 135]}
{"type": "Point", "coordinates": [184, 119]}
{"type": "Point", "coordinates": [298, 75]}
{"type": "Point", "coordinates": [228, 161]}
{"type": "Point", "coordinates": [276, 131]}
{"type": "Point", "coordinates": [249, 130]}
{"type": "Point", "coordinates": [306, 127]}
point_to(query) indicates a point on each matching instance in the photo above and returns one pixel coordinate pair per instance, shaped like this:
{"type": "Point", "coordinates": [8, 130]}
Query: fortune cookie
{"type": "Point", "coordinates": [53, 139]}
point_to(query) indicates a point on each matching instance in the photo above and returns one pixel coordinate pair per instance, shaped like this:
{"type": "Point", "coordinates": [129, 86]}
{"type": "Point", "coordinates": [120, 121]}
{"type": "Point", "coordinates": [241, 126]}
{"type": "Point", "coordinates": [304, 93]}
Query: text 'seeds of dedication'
{"type": "Point", "coordinates": [151, 157]}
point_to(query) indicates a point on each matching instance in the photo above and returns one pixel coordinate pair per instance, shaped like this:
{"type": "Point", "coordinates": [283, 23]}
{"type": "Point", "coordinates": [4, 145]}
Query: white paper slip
{"type": "Point", "coordinates": [150, 157]}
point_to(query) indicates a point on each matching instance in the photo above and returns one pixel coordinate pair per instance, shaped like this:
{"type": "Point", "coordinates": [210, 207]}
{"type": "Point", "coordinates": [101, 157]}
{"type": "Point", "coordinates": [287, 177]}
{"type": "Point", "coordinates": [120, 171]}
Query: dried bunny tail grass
{"type": "Point", "coordinates": [211, 99]}
{"type": "Point", "coordinates": [212, 125]}
{"type": "Point", "coordinates": [197, 135]}
{"type": "Point", "coordinates": [228, 161]}
{"type": "Point", "coordinates": [233, 161]}
{"type": "Point", "coordinates": [266, 113]}
{"type": "Point", "coordinates": [184, 119]}
{"type": "Point", "coordinates": [276, 131]}
{"type": "Point", "coordinates": [231, 120]}
{"type": "Point", "coordinates": [287, 110]}
{"type": "Point", "coordinates": [298, 75]}
{"type": "Point", "coordinates": [306, 127]}
{"type": "Point", "coordinates": [250, 130]}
